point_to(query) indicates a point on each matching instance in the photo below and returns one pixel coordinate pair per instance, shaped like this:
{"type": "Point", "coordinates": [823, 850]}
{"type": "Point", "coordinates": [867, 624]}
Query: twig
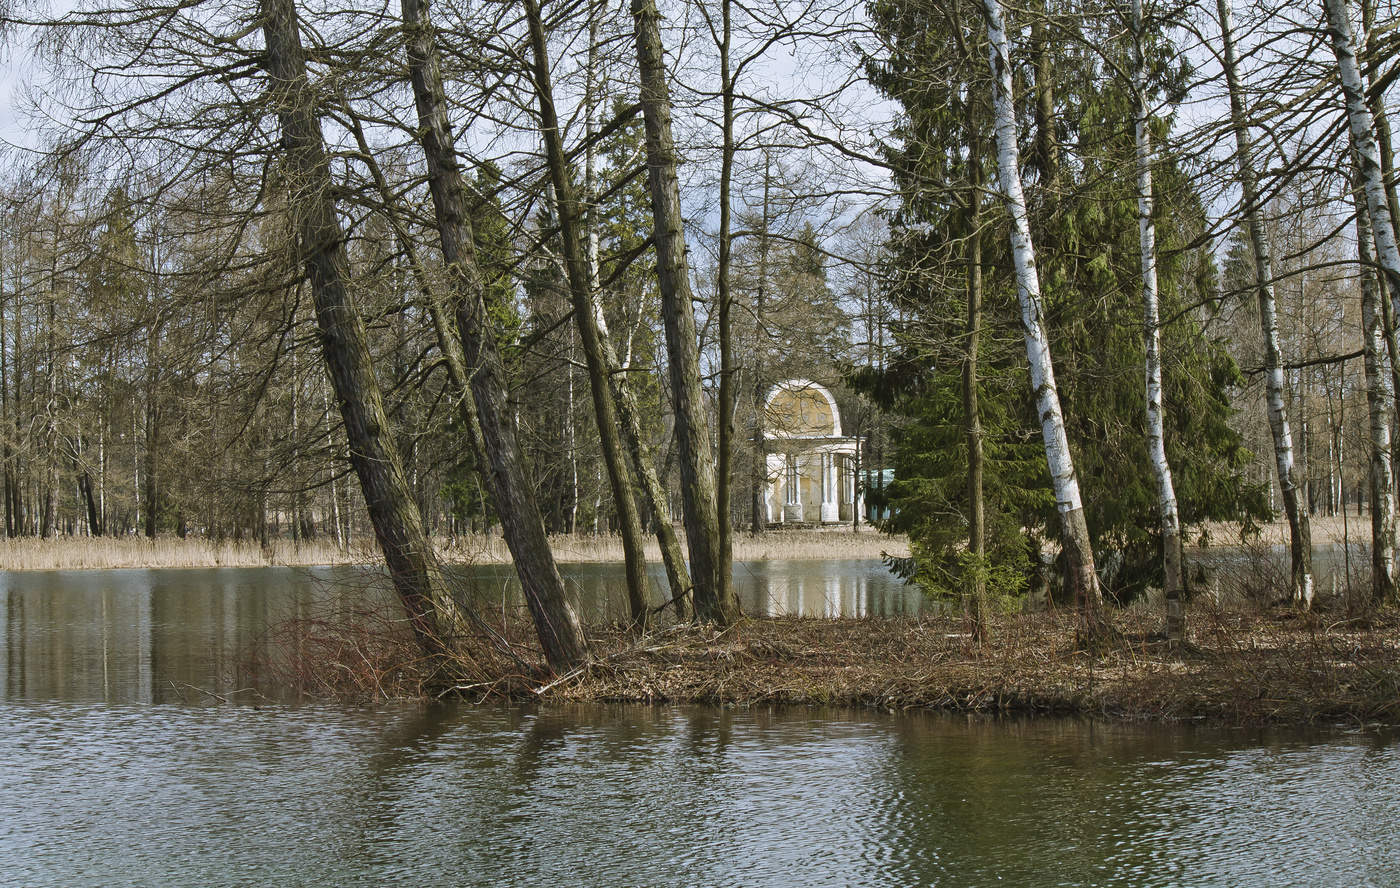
{"type": "Point", "coordinates": [561, 679]}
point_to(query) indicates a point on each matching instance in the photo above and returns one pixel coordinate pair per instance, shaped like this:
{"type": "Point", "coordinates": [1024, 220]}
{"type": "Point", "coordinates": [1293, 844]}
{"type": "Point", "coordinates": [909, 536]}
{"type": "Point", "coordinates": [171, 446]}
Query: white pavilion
{"type": "Point", "coordinates": [811, 465]}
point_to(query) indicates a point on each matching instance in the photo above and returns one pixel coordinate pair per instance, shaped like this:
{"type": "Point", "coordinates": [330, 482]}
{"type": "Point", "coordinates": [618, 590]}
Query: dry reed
{"type": "Point", "coordinates": [106, 553]}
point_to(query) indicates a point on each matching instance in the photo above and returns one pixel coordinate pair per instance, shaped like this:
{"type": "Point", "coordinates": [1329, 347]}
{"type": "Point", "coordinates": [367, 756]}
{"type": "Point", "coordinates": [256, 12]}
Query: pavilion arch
{"type": "Point", "coordinates": [811, 466]}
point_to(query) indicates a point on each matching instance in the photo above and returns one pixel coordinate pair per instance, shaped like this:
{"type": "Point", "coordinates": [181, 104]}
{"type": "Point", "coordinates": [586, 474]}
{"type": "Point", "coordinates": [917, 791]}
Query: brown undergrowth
{"type": "Point", "coordinates": [1239, 668]}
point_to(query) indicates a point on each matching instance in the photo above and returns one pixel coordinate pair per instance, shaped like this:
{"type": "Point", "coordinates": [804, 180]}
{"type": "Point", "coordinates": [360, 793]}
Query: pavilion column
{"type": "Point", "coordinates": [792, 486]}
{"type": "Point", "coordinates": [831, 510]}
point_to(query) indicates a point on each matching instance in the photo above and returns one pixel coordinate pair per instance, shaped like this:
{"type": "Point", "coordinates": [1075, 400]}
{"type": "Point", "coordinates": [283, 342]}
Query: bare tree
{"type": "Point", "coordinates": [397, 522]}
{"type": "Point", "coordinates": [1300, 530]}
{"type": "Point", "coordinates": [714, 593]}
{"type": "Point", "coordinates": [1152, 333]}
{"type": "Point", "coordinates": [586, 319]}
{"type": "Point", "coordinates": [556, 623]}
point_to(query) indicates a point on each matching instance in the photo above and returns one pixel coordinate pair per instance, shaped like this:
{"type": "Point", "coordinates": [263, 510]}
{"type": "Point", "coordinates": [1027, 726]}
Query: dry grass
{"type": "Point", "coordinates": [99, 553]}
{"type": "Point", "coordinates": [1326, 530]}
{"type": "Point", "coordinates": [1239, 667]}
{"type": "Point", "coordinates": [1266, 668]}
{"type": "Point", "coordinates": [106, 553]}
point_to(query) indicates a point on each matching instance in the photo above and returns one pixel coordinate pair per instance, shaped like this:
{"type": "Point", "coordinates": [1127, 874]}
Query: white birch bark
{"type": "Point", "coordinates": [1363, 142]}
{"type": "Point", "coordinates": [1079, 561]}
{"type": "Point", "coordinates": [1300, 530]}
{"type": "Point", "coordinates": [1152, 334]}
{"type": "Point", "coordinates": [1380, 400]}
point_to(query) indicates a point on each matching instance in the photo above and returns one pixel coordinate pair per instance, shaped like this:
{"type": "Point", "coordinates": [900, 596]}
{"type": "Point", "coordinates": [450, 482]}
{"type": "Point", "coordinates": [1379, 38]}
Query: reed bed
{"type": "Point", "coordinates": [107, 553]}
{"type": "Point", "coordinates": [1326, 530]}
{"type": "Point", "coordinates": [114, 553]}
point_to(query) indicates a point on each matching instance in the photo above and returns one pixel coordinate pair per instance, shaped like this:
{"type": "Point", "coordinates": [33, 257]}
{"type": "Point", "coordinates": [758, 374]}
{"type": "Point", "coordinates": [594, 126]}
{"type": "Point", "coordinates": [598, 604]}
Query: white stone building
{"type": "Point", "coordinates": [811, 465]}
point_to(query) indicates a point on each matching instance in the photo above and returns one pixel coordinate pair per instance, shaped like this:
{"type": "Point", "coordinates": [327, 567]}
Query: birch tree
{"type": "Point", "coordinates": [1376, 245]}
{"type": "Point", "coordinates": [1152, 334]}
{"type": "Point", "coordinates": [1361, 126]}
{"type": "Point", "coordinates": [1080, 575]}
{"type": "Point", "coordinates": [1380, 404]}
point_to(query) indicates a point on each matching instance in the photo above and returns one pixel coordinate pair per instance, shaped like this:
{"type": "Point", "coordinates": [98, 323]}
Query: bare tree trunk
{"type": "Point", "coordinates": [149, 478]}
{"type": "Point", "coordinates": [398, 525]}
{"type": "Point", "coordinates": [672, 557]}
{"type": "Point", "coordinates": [48, 523]}
{"type": "Point", "coordinates": [560, 634]}
{"type": "Point", "coordinates": [1376, 102]}
{"type": "Point", "coordinates": [760, 382]}
{"type": "Point", "coordinates": [586, 319]}
{"type": "Point", "coordinates": [724, 460]}
{"type": "Point", "coordinates": [5, 445]}
{"type": "Point", "coordinates": [1300, 529]}
{"type": "Point", "coordinates": [1380, 403]}
{"type": "Point", "coordinates": [90, 501]}
{"type": "Point", "coordinates": [714, 592]}
{"type": "Point", "coordinates": [972, 414]}
{"type": "Point", "coordinates": [1152, 334]}
{"type": "Point", "coordinates": [1080, 575]}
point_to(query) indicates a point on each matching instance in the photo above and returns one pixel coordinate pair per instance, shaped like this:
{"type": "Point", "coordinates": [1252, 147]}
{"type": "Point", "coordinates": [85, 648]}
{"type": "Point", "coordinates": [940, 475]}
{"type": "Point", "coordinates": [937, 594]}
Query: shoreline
{"type": "Point", "coordinates": [1241, 668]}
{"type": "Point", "coordinates": [121, 553]}
{"type": "Point", "coordinates": [1269, 668]}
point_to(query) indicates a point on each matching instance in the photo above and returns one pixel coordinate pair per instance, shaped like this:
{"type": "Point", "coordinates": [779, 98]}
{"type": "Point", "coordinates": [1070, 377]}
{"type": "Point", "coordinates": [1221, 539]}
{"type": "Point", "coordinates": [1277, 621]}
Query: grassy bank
{"type": "Point", "coordinates": [1263, 668]}
{"type": "Point", "coordinates": [1240, 668]}
{"type": "Point", "coordinates": [98, 553]}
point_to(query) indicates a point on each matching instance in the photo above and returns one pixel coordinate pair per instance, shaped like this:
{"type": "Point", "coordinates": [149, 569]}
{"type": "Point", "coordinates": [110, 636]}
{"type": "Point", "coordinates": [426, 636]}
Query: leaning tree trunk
{"type": "Point", "coordinates": [580, 293]}
{"type": "Point", "coordinates": [714, 591]}
{"type": "Point", "coordinates": [561, 635]}
{"type": "Point", "coordinates": [413, 569]}
{"type": "Point", "coordinates": [1380, 403]}
{"type": "Point", "coordinates": [1152, 334]}
{"type": "Point", "coordinates": [1371, 192]}
{"type": "Point", "coordinates": [677, 574]}
{"type": "Point", "coordinates": [1080, 575]}
{"type": "Point", "coordinates": [1300, 530]}
{"type": "Point", "coordinates": [444, 329]}
{"type": "Point", "coordinates": [1384, 140]}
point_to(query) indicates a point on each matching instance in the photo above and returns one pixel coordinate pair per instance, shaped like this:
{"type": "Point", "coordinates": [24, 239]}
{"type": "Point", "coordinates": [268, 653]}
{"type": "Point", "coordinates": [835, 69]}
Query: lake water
{"type": "Point", "coordinates": [118, 766]}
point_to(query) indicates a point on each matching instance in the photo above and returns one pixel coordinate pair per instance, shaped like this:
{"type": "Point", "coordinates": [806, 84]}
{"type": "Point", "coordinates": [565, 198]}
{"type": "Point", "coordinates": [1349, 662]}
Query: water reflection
{"type": "Point", "coordinates": [155, 636]}
{"type": "Point", "coordinates": [139, 635]}
{"type": "Point", "coordinates": [96, 791]}
{"type": "Point", "coordinates": [849, 588]}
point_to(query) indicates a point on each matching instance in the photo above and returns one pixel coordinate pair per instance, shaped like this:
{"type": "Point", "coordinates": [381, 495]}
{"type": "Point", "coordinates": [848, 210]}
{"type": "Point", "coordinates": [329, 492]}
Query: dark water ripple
{"type": "Point", "coordinates": [604, 796]}
{"type": "Point", "coordinates": [111, 775]}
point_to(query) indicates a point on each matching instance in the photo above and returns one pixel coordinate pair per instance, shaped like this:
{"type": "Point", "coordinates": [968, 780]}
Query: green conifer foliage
{"type": "Point", "coordinates": [1087, 235]}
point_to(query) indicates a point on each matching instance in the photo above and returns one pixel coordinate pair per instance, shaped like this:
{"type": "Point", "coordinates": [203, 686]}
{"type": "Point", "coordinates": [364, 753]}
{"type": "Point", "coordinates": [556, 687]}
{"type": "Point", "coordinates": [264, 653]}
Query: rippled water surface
{"type": "Point", "coordinates": [119, 767]}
